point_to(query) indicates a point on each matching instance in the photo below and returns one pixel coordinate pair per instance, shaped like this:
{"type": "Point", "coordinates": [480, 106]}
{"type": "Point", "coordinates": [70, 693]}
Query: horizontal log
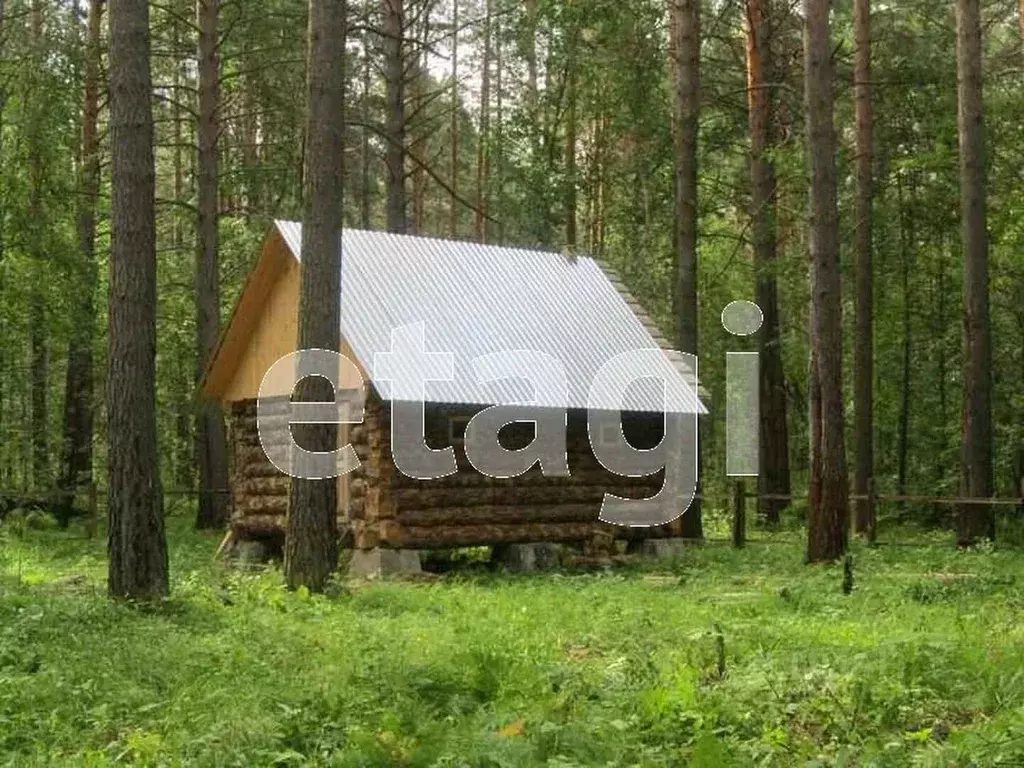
{"type": "Point", "coordinates": [262, 505]}
{"type": "Point", "coordinates": [278, 505]}
{"type": "Point", "coordinates": [258, 526]}
{"type": "Point", "coordinates": [248, 427]}
{"type": "Point", "coordinates": [414, 537]}
{"type": "Point", "coordinates": [430, 496]}
{"type": "Point", "coordinates": [254, 463]}
{"type": "Point", "coordinates": [580, 477]}
{"type": "Point", "coordinates": [272, 526]}
{"type": "Point", "coordinates": [254, 469]}
{"type": "Point", "coordinates": [250, 454]}
{"type": "Point", "coordinates": [580, 457]}
{"type": "Point", "coordinates": [280, 485]}
{"type": "Point", "coordinates": [499, 515]}
{"type": "Point", "coordinates": [394, 535]}
{"type": "Point", "coordinates": [274, 485]}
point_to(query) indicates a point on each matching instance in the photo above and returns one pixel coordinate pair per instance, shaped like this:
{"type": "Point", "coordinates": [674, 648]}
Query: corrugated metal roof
{"type": "Point", "coordinates": [479, 299]}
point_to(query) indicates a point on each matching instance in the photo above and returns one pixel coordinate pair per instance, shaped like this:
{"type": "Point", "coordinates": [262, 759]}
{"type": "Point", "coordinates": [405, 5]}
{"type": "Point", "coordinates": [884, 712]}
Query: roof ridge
{"type": "Point", "coordinates": [535, 248]}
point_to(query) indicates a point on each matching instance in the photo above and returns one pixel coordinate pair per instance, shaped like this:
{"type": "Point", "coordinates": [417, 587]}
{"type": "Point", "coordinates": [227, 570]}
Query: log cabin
{"type": "Point", "coordinates": [473, 300]}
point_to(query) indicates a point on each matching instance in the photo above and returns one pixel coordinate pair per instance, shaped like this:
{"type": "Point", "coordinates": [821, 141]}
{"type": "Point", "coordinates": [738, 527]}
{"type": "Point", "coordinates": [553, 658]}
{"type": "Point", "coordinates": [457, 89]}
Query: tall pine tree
{"type": "Point", "coordinates": [137, 545]}
{"type": "Point", "coordinates": [311, 544]}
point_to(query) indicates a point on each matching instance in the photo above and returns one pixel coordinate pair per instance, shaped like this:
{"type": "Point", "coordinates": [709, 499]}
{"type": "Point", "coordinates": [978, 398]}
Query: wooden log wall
{"type": "Point", "coordinates": [386, 508]}
{"type": "Point", "coordinates": [261, 490]}
{"type": "Point", "coordinates": [470, 509]}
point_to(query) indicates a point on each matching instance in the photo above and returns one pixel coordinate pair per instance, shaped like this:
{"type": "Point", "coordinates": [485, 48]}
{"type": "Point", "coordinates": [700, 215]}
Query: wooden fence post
{"type": "Point", "coordinates": [872, 512]}
{"type": "Point", "coordinates": [739, 517]}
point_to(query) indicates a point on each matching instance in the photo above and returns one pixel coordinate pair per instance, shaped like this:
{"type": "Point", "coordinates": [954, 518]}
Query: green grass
{"type": "Point", "coordinates": [922, 665]}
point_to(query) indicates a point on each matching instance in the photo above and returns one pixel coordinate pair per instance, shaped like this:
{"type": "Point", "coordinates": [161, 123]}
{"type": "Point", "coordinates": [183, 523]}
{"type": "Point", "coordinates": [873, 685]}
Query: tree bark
{"type": "Point", "coordinates": [185, 442]}
{"type": "Point", "coordinates": [1019, 474]}
{"type": "Point", "coordinates": [974, 521]}
{"type": "Point", "coordinates": [685, 65]}
{"type": "Point", "coordinates": [311, 542]}
{"type": "Point", "coordinates": [137, 546]}
{"type": "Point", "coordinates": [393, 29]}
{"type": "Point", "coordinates": [76, 458]}
{"type": "Point", "coordinates": [211, 441]}
{"type": "Point", "coordinates": [453, 168]}
{"type": "Point", "coordinates": [863, 348]}
{"type": "Point", "coordinates": [829, 514]}
{"type": "Point", "coordinates": [5, 455]}
{"type": "Point", "coordinates": [941, 364]}
{"type": "Point", "coordinates": [570, 154]}
{"type": "Point", "coordinates": [420, 143]}
{"type": "Point", "coordinates": [251, 149]}
{"type": "Point", "coordinates": [542, 147]}
{"type": "Point", "coordinates": [774, 479]}
{"type": "Point", "coordinates": [365, 197]}
{"type": "Point", "coordinates": [39, 375]}
{"type": "Point", "coordinates": [907, 245]}
{"type": "Point", "coordinates": [483, 160]}
{"type": "Point", "coordinates": [499, 132]}
{"type": "Point", "coordinates": [600, 162]}
{"type": "Point", "coordinates": [532, 89]}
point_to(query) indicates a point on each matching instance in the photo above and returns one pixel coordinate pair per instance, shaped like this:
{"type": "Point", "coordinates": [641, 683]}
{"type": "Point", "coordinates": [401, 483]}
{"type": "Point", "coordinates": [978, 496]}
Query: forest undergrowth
{"type": "Point", "coordinates": [718, 657]}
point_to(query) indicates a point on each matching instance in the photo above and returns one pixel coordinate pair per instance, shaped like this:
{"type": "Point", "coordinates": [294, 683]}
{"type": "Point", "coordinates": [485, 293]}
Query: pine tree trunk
{"type": "Point", "coordinates": [570, 156]}
{"type": "Point", "coordinates": [974, 521]}
{"type": "Point", "coordinates": [941, 368]}
{"type": "Point", "coordinates": [499, 132]}
{"type": "Point", "coordinates": [4, 451]}
{"type": "Point", "coordinates": [251, 147]}
{"type": "Point", "coordinates": [532, 88]}
{"type": "Point", "coordinates": [829, 516]}
{"type": "Point", "coordinates": [137, 546]}
{"type": "Point", "coordinates": [76, 459]}
{"type": "Point", "coordinates": [941, 357]}
{"type": "Point", "coordinates": [393, 29]}
{"type": "Point", "coordinates": [184, 443]}
{"type": "Point", "coordinates": [39, 375]}
{"type": "Point", "coordinates": [863, 361]}
{"type": "Point", "coordinates": [365, 194]}
{"type": "Point", "coordinates": [1019, 478]}
{"type": "Point", "coordinates": [907, 245]}
{"type": "Point", "coordinates": [597, 184]}
{"type": "Point", "coordinates": [420, 145]}
{"type": "Point", "coordinates": [814, 427]}
{"type": "Point", "coordinates": [211, 441]}
{"type": "Point", "coordinates": [774, 433]}
{"type": "Point", "coordinates": [453, 167]}
{"type": "Point", "coordinates": [541, 151]}
{"type": "Point", "coordinates": [482, 149]}
{"type": "Point", "coordinates": [685, 60]}
{"type": "Point", "coordinates": [311, 543]}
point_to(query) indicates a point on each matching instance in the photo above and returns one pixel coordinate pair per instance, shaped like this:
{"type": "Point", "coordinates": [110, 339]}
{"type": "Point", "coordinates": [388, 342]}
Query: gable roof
{"type": "Point", "coordinates": [478, 299]}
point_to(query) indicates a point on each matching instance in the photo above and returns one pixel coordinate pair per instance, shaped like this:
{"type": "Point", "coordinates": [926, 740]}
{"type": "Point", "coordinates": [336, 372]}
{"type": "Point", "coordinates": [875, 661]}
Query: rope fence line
{"type": "Point", "coordinates": [739, 494]}
{"type": "Point", "coordinates": [912, 499]}
{"type": "Point", "coordinates": [36, 498]}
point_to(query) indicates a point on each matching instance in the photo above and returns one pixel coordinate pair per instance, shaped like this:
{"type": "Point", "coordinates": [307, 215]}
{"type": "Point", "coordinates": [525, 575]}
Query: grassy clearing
{"type": "Point", "coordinates": [922, 665]}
